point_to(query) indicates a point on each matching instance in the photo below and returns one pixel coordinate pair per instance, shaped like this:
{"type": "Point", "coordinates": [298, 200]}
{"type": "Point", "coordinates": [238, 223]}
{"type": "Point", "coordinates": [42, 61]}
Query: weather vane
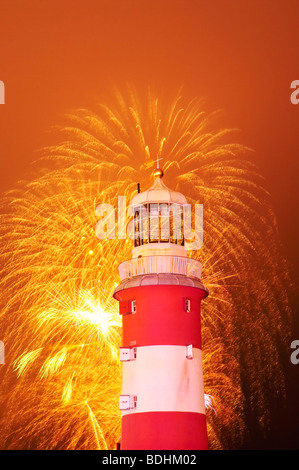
{"type": "Point", "coordinates": [158, 159]}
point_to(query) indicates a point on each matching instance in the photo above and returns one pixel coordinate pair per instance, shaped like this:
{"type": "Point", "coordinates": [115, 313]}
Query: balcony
{"type": "Point", "coordinates": [160, 264]}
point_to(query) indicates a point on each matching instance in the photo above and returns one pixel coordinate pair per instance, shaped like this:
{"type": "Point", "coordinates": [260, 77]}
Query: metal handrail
{"type": "Point", "coordinates": [158, 264]}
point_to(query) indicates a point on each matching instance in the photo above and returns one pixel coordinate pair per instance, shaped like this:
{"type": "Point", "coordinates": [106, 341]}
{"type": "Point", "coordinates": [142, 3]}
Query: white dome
{"type": "Point", "coordinates": [158, 193]}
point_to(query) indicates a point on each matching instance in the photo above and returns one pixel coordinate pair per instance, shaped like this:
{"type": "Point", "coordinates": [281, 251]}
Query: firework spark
{"type": "Point", "coordinates": [59, 322]}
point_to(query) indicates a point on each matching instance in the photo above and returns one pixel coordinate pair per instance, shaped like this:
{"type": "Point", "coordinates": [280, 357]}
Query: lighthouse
{"type": "Point", "coordinates": [160, 293]}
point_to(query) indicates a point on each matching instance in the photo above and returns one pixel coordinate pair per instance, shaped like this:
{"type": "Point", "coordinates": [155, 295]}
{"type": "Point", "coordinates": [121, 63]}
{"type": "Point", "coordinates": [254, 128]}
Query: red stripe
{"type": "Point", "coordinates": [164, 431]}
{"type": "Point", "coordinates": [161, 317]}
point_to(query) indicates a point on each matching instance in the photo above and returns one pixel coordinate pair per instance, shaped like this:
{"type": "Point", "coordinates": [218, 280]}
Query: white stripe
{"type": "Point", "coordinates": [163, 379]}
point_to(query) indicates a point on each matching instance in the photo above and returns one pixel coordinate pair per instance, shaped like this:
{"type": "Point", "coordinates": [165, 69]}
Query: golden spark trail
{"type": "Point", "coordinates": [97, 430]}
{"type": "Point", "coordinates": [59, 322]}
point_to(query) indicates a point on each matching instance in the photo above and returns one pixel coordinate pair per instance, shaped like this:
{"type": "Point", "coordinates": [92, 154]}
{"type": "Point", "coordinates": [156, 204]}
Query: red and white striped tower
{"type": "Point", "coordinates": [160, 293]}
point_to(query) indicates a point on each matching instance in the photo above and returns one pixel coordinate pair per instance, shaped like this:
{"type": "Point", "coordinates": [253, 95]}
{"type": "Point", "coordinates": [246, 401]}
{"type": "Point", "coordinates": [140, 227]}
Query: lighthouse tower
{"type": "Point", "coordinates": [160, 293]}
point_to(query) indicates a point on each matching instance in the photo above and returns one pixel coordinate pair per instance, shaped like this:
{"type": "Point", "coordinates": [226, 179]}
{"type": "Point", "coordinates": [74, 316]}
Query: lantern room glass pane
{"type": "Point", "coordinates": [136, 226]}
{"type": "Point", "coordinates": [153, 223]}
{"type": "Point", "coordinates": [181, 240]}
{"type": "Point", "coordinates": [164, 222]}
{"type": "Point", "coordinates": [144, 224]}
{"type": "Point", "coordinates": [176, 224]}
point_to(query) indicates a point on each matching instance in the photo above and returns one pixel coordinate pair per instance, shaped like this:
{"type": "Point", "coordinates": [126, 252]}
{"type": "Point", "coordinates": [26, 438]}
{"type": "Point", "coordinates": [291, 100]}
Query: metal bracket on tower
{"type": "Point", "coordinates": [189, 351]}
{"type": "Point", "coordinates": [127, 402]}
{"type": "Point", "coordinates": [127, 354]}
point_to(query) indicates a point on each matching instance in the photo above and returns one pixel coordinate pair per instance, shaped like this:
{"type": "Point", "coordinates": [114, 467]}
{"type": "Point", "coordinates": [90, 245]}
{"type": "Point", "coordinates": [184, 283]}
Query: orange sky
{"type": "Point", "coordinates": [241, 55]}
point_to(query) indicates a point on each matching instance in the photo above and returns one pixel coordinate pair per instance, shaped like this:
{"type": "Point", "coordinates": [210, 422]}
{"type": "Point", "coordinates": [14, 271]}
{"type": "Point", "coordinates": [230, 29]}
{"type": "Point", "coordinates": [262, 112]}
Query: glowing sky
{"type": "Point", "coordinates": [242, 56]}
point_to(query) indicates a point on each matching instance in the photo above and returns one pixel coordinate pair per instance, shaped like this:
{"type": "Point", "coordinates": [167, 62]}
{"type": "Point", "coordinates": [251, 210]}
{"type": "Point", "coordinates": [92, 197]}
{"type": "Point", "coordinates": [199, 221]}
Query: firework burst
{"type": "Point", "coordinates": [59, 322]}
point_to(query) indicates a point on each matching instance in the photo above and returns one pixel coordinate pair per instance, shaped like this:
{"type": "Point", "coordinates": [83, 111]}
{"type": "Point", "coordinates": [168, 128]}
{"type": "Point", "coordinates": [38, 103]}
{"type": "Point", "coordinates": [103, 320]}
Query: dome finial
{"type": "Point", "coordinates": [158, 173]}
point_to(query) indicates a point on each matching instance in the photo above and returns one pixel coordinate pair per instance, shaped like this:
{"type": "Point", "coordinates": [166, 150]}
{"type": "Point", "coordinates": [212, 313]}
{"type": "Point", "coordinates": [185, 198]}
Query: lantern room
{"type": "Point", "coordinates": [158, 220]}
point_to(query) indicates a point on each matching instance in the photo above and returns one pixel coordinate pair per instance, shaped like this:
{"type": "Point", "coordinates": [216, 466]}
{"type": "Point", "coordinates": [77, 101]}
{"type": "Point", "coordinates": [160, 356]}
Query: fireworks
{"type": "Point", "coordinates": [59, 322]}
